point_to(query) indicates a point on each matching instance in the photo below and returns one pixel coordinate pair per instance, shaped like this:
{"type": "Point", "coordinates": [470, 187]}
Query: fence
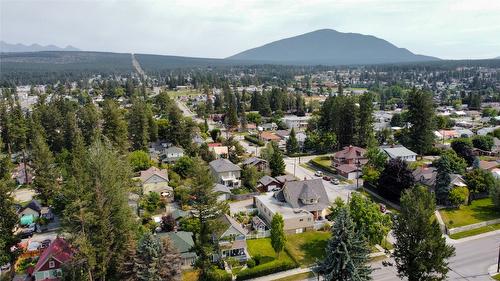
{"type": "Point", "coordinates": [239, 197]}
{"type": "Point", "coordinates": [260, 234]}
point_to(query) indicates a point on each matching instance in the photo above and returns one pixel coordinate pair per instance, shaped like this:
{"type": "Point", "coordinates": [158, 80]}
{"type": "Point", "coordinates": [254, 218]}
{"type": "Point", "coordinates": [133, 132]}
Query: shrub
{"type": "Point", "coordinates": [215, 274]}
{"type": "Point", "coordinates": [266, 269]}
{"type": "Point", "coordinates": [254, 140]}
{"type": "Point", "coordinates": [250, 263]}
{"type": "Point", "coordinates": [458, 196]}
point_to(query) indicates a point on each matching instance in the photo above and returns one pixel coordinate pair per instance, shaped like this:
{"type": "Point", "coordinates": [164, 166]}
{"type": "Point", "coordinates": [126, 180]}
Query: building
{"type": "Point", "coordinates": [427, 176]}
{"type": "Point", "coordinates": [219, 151]}
{"type": "Point", "coordinates": [22, 175]}
{"type": "Point", "coordinates": [33, 208]}
{"type": "Point", "coordinates": [268, 183]}
{"type": "Point", "coordinates": [301, 203]}
{"type": "Point", "coordinates": [268, 127]}
{"type": "Point", "coordinates": [400, 152]}
{"type": "Point", "coordinates": [296, 122]}
{"type": "Point", "coordinates": [183, 242]}
{"type": "Point", "coordinates": [226, 173]}
{"type": "Point", "coordinates": [269, 136]}
{"type": "Point", "coordinates": [348, 162]}
{"type": "Point", "coordinates": [223, 192]}
{"type": "Point", "coordinates": [256, 162]}
{"type": "Point", "coordinates": [51, 261]}
{"type": "Point", "coordinates": [230, 239]}
{"type": "Point", "coordinates": [171, 154]}
{"type": "Point", "coordinates": [156, 180]}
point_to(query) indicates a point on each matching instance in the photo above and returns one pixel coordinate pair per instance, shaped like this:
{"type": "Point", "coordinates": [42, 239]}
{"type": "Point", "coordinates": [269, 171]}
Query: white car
{"type": "Point", "coordinates": [318, 173]}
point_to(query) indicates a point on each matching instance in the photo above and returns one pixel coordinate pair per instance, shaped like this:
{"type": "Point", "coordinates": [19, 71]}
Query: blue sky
{"type": "Point", "coordinates": [450, 29]}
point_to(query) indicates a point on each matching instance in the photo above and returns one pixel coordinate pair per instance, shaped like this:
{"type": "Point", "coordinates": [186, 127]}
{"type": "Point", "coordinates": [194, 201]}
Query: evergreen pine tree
{"type": "Point", "coordinates": [366, 135]}
{"type": "Point", "coordinates": [346, 253]}
{"type": "Point", "coordinates": [443, 180]}
{"type": "Point", "coordinates": [45, 170]}
{"type": "Point", "coordinates": [276, 164]}
{"type": "Point", "coordinates": [278, 238]}
{"type": "Point", "coordinates": [421, 118]}
{"type": "Point", "coordinates": [292, 145]}
{"type": "Point", "coordinates": [9, 216]}
{"type": "Point", "coordinates": [114, 126]}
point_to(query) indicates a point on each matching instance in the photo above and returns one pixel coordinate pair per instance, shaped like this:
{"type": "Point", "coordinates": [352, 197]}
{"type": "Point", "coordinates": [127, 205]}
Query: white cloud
{"type": "Point", "coordinates": [445, 28]}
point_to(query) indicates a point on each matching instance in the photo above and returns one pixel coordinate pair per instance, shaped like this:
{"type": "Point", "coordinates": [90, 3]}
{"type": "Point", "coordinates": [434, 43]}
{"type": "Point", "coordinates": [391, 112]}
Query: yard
{"type": "Point", "coordinates": [182, 93]}
{"type": "Point", "coordinates": [478, 211]}
{"type": "Point", "coordinates": [307, 247]}
{"type": "Point", "coordinates": [262, 251]}
{"type": "Point", "coordinates": [476, 231]}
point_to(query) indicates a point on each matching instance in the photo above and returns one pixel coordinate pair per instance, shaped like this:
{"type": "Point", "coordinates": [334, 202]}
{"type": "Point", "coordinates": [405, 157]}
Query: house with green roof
{"type": "Point", "coordinates": [183, 241]}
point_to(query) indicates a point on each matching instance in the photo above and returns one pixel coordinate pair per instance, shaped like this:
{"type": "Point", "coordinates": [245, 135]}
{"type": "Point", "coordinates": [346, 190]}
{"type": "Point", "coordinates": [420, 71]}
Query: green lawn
{"type": "Point", "coordinates": [297, 277]}
{"type": "Point", "coordinates": [261, 250]}
{"type": "Point", "coordinates": [307, 247]}
{"type": "Point", "coordinates": [182, 93]}
{"type": "Point", "coordinates": [478, 211]}
{"type": "Point", "coordinates": [377, 200]}
{"type": "Point", "coordinates": [476, 231]}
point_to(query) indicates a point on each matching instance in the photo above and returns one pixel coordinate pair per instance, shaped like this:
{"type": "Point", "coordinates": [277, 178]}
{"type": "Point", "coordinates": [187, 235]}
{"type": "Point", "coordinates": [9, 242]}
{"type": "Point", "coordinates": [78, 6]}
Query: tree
{"type": "Point", "coordinates": [420, 250]}
{"type": "Point", "coordinates": [114, 125]}
{"type": "Point", "coordinates": [483, 142]}
{"type": "Point", "coordinates": [45, 170]}
{"type": "Point", "coordinates": [250, 175]}
{"type": "Point", "coordinates": [156, 260]}
{"type": "Point", "coordinates": [456, 163]}
{"type": "Point", "coordinates": [276, 164]}
{"type": "Point", "coordinates": [292, 145]}
{"type": "Point", "coordinates": [167, 223]}
{"type": "Point", "coordinates": [495, 193]}
{"type": "Point", "coordinates": [139, 160]}
{"type": "Point", "coordinates": [368, 220]}
{"type": "Point", "coordinates": [443, 180]}
{"type": "Point", "coordinates": [346, 252]}
{"type": "Point", "coordinates": [206, 210]}
{"type": "Point", "coordinates": [138, 125]}
{"type": "Point", "coordinates": [97, 218]}
{"type": "Point", "coordinates": [366, 135]}
{"type": "Point", "coordinates": [375, 165]}
{"type": "Point", "coordinates": [184, 166]}
{"type": "Point", "coordinates": [278, 238]}
{"type": "Point", "coordinates": [232, 113]}
{"type": "Point", "coordinates": [463, 148]}
{"type": "Point", "coordinates": [215, 134]}
{"type": "Point", "coordinates": [421, 119]}
{"type": "Point", "coordinates": [458, 195]}
{"type": "Point", "coordinates": [396, 177]}
{"type": "Point", "coordinates": [478, 181]}
{"type": "Point", "coordinates": [88, 120]}
{"type": "Point", "coordinates": [9, 215]}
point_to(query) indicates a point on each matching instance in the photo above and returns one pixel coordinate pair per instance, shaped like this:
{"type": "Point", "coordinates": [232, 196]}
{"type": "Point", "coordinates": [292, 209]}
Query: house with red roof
{"type": "Point", "coordinates": [50, 263]}
{"type": "Point", "coordinates": [348, 161]}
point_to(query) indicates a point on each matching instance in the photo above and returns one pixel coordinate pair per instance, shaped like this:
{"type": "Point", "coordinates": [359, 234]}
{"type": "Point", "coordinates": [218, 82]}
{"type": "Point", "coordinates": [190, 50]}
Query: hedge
{"type": "Point", "coordinates": [215, 274]}
{"type": "Point", "coordinates": [254, 140]}
{"type": "Point", "coordinates": [266, 269]}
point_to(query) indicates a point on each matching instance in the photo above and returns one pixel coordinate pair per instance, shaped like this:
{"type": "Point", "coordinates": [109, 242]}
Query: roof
{"type": "Point", "coordinates": [182, 240]}
{"type": "Point", "coordinates": [228, 221]}
{"type": "Point", "coordinates": [265, 180]}
{"type": "Point", "coordinates": [487, 165]}
{"type": "Point", "coordinates": [145, 175]}
{"type": "Point", "coordinates": [347, 168]}
{"type": "Point", "coordinates": [59, 249]}
{"type": "Point", "coordinates": [350, 152]}
{"type": "Point", "coordinates": [425, 175]}
{"type": "Point", "coordinates": [253, 161]}
{"type": "Point", "coordinates": [269, 136]}
{"type": "Point", "coordinates": [398, 151]}
{"type": "Point", "coordinates": [34, 205]}
{"type": "Point", "coordinates": [221, 188]}
{"type": "Point", "coordinates": [306, 189]}
{"type": "Point", "coordinates": [220, 150]}
{"type": "Point", "coordinates": [286, 178]}
{"type": "Point", "coordinates": [174, 149]}
{"type": "Point", "coordinates": [223, 165]}
{"type": "Point", "coordinates": [283, 133]}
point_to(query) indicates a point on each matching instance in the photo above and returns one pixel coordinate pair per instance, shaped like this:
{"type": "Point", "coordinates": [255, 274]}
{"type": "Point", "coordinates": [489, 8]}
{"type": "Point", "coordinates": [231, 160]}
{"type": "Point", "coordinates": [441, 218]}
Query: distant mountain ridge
{"type": "Point", "coordinates": [18, 48]}
{"type": "Point", "coordinates": [330, 47]}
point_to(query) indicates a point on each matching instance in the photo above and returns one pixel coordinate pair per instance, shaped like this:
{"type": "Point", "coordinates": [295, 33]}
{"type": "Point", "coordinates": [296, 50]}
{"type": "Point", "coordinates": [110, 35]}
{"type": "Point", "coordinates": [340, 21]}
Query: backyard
{"type": "Point", "coordinates": [307, 247]}
{"type": "Point", "coordinates": [478, 211]}
{"type": "Point", "coordinates": [262, 252]}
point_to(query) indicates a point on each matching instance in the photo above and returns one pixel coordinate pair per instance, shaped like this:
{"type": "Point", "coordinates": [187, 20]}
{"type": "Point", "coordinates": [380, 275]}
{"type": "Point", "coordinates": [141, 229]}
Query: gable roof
{"type": "Point", "coordinates": [223, 165]}
{"type": "Point", "coordinates": [145, 175]}
{"type": "Point", "coordinates": [182, 240]}
{"type": "Point", "coordinates": [228, 222]}
{"type": "Point", "coordinates": [59, 249]}
{"type": "Point", "coordinates": [398, 151]}
{"type": "Point", "coordinates": [173, 149]}
{"type": "Point", "coordinates": [34, 204]}
{"type": "Point", "coordinates": [265, 180]}
{"type": "Point", "coordinates": [487, 165]}
{"type": "Point", "coordinates": [221, 188]}
{"type": "Point", "coordinates": [425, 175]}
{"type": "Point", "coordinates": [350, 152]}
{"type": "Point", "coordinates": [286, 178]}
{"type": "Point", "coordinates": [253, 161]}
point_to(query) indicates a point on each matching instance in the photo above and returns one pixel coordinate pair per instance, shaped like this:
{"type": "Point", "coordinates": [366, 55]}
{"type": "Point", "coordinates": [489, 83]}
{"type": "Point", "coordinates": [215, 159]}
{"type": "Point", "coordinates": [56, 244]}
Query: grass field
{"type": "Point", "coordinates": [476, 231]}
{"type": "Point", "coordinates": [261, 249]}
{"type": "Point", "coordinates": [297, 277]}
{"type": "Point", "coordinates": [182, 93]}
{"type": "Point", "coordinates": [307, 247]}
{"type": "Point", "coordinates": [478, 211]}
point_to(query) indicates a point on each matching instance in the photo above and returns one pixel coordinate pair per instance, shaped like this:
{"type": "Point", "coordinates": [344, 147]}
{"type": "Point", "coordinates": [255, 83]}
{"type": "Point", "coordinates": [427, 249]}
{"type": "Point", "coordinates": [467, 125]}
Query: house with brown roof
{"type": "Point", "coordinates": [156, 180]}
{"type": "Point", "coordinates": [50, 264]}
{"type": "Point", "coordinates": [348, 161]}
{"type": "Point", "coordinates": [269, 136]}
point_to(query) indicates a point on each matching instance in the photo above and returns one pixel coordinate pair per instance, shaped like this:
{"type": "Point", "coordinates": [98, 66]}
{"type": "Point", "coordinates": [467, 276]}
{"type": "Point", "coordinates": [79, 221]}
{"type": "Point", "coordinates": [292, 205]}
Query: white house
{"type": "Point", "coordinates": [400, 152]}
{"type": "Point", "coordinates": [226, 173]}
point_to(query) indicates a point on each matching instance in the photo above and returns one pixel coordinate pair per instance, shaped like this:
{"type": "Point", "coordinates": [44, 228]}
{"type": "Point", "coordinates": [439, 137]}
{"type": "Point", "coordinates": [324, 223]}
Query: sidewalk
{"type": "Point", "coordinates": [282, 274]}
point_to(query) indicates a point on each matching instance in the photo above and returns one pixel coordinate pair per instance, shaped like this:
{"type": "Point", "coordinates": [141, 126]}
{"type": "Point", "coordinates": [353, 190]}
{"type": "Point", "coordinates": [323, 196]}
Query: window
{"type": "Point", "coordinates": [52, 264]}
{"type": "Point", "coordinates": [301, 220]}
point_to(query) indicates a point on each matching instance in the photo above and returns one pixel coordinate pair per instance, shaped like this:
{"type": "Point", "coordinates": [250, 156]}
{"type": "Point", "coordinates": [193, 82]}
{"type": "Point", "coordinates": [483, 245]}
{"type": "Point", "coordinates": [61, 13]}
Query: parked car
{"type": "Point", "coordinates": [318, 173]}
{"type": "Point", "coordinates": [26, 233]}
{"type": "Point", "coordinates": [327, 178]}
{"type": "Point", "coordinates": [335, 181]}
{"type": "Point", "coordinates": [45, 244]}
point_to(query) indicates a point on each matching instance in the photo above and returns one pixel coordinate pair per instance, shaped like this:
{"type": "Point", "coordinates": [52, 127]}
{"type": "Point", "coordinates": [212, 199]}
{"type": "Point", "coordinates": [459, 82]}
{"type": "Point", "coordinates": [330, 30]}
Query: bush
{"type": "Point", "coordinates": [254, 140]}
{"type": "Point", "coordinates": [250, 263]}
{"type": "Point", "coordinates": [215, 274]}
{"type": "Point", "coordinates": [266, 269]}
{"type": "Point", "coordinates": [458, 196]}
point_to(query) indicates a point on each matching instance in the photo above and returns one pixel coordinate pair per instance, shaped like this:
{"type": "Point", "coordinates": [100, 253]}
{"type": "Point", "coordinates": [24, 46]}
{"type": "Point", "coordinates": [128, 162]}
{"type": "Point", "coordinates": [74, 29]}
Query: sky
{"type": "Point", "coordinates": [448, 29]}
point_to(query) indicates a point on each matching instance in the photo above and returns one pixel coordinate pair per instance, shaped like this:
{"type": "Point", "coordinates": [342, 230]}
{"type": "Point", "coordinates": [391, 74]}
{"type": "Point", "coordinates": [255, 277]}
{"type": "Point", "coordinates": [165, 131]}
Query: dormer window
{"type": "Point", "coordinates": [52, 264]}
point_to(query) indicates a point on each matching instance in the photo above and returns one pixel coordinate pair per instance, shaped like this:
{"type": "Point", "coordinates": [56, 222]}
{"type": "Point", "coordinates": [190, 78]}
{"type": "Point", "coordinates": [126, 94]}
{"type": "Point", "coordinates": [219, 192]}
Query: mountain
{"type": "Point", "coordinates": [330, 47]}
{"type": "Point", "coordinates": [18, 48]}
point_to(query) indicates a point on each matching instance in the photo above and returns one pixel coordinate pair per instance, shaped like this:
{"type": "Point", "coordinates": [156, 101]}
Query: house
{"type": "Point", "coordinates": [268, 183]}
{"type": "Point", "coordinates": [198, 140]}
{"type": "Point", "coordinates": [51, 261]}
{"type": "Point", "coordinates": [283, 134]}
{"type": "Point", "coordinates": [156, 180]}
{"type": "Point", "coordinates": [34, 207]}
{"type": "Point", "coordinates": [230, 239]}
{"type": "Point", "coordinates": [301, 203]}
{"type": "Point", "coordinates": [464, 133]}
{"type": "Point", "coordinates": [46, 212]}
{"type": "Point", "coordinates": [400, 152]}
{"type": "Point", "coordinates": [446, 134]}
{"type": "Point", "coordinates": [22, 175]}
{"type": "Point", "coordinates": [296, 122]}
{"type": "Point", "coordinates": [258, 224]}
{"type": "Point", "coordinates": [285, 178]}
{"type": "Point", "coordinates": [268, 127]}
{"type": "Point", "coordinates": [256, 162]}
{"type": "Point", "coordinates": [171, 154]}
{"type": "Point", "coordinates": [496, 145]}
{"type": "Point", "coordinates": [156, 148]}
{"type": "Point", "coordinates": [219, 151]}
{"type": "Point", "coordinates": [269, 136]}
{"type": "Point", "coordinates": [348, 162]}
{"type": "Point", "coordinates": [183, 242]}
{"type": "Point", "coordinates": [427, 176]}
{"type": "Point", "coordinates": [223, 192]}
{"type": "Point", "coordinates": [488, 165]}
{"type": "Point", "coordinates": [226, 173]}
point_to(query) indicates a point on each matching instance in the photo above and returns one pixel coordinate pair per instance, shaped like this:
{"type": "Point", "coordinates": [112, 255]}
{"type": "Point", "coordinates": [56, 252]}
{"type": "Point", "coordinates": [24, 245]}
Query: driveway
{"type": "Point", "coordinates": [241, 206]}
{"type": "Point", "coordinates": [23, 194]}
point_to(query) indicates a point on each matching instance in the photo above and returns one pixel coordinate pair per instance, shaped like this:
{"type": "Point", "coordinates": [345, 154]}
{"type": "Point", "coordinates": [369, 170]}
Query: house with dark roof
{"type": "Point", "coordinates": [33, 208]}
{"type": "Point", "coordinates": [156, 180]}
{"type": "Point", "coordinates": [230, 239]}
{"type": "Point", "coordinates": [171, 154]}
{"type": "Point", "coordinates": [223, 192]}
{"type": "Point", "coordinates": [268, 183]}
{"type": "Point", "coordinates": [183, 242]}
{"type": "Point", "coordinates": [301, 203]}
{"type": "Point", "coordinates": [226, 173]}
{"type": "Point", "coordinates": [51, 261]}
{"type": "Point", "coordinates": [427, 176]}
{"type": "Point", "coordinates": [256, 162]}
{"type": "Point", "coordinates": [348, 161]}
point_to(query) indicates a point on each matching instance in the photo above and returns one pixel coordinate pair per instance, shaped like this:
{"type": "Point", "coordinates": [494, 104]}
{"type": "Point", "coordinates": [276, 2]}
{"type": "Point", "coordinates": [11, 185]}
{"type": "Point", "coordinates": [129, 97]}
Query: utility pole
{"type": "Point", "coordinates": [498, 262]}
